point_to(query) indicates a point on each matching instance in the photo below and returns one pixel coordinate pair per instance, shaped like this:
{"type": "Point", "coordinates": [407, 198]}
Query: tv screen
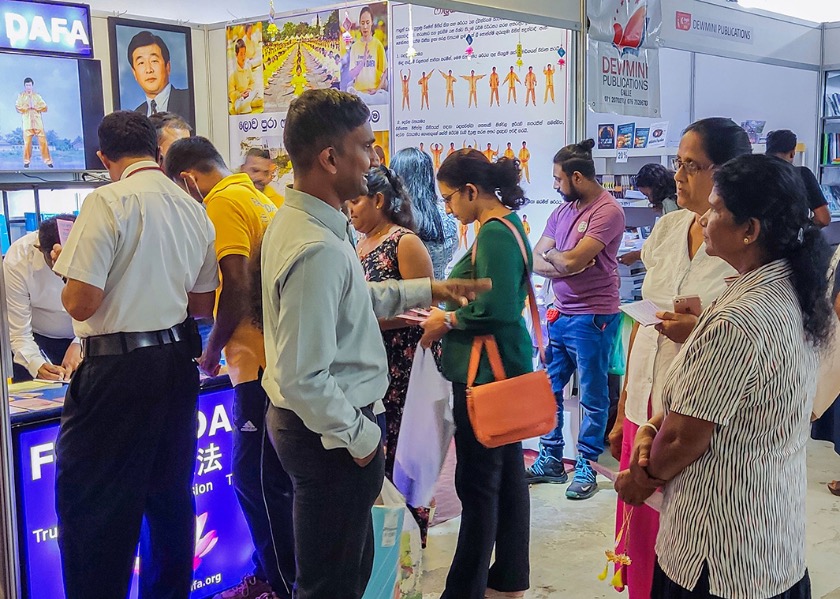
{"type": "Point", "coordinates": [51, 110]}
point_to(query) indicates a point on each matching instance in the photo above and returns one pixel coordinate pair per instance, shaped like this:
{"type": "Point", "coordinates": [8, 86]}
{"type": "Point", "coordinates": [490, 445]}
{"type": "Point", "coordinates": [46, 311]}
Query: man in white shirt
{"type": "Point", "coordinates": [40, 328]}
{"type": "Point", "coordinates": [140, 261]}
{"type": "Point", "coordinates": [325, 362]}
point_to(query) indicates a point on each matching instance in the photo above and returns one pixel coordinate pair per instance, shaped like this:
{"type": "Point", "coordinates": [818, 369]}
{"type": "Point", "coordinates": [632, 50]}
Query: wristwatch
{"type": "Point", "coordinates": [447, 320]}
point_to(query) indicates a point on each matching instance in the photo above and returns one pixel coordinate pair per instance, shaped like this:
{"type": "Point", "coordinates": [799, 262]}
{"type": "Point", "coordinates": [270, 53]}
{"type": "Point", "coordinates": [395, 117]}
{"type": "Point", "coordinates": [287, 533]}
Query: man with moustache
{"type": "Point", "coordinates": [578, 252]}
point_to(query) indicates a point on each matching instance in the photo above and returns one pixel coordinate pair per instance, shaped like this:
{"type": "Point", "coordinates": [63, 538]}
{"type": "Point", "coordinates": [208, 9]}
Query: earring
{"type": "Point", "coordinates": [746, 240]}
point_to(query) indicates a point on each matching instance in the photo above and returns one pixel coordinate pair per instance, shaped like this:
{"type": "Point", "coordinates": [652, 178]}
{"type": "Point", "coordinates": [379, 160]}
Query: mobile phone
{"type": "Point", "coordinates": [688, 304]}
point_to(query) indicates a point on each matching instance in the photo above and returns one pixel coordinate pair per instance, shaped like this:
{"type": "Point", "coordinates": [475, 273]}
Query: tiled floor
{"type": "Point", "coordinates": [568, 538]}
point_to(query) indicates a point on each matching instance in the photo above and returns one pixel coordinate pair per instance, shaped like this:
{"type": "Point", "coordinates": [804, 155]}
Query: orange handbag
{"type": "Point", "coordinates": [509, 409]}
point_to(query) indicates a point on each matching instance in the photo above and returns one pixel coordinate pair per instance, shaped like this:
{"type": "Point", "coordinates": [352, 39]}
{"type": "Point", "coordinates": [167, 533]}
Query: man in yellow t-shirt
{"type": "Point", "coordinates": [241, 83]}
{"type": "Point", "coordinates": [32, 106]}
{"type": "Point", "coordinates": [368, 61]}
{"type": "Point", "coordinates": [259, 167]}
{"type": "Point", "coordinates": [241, 215]}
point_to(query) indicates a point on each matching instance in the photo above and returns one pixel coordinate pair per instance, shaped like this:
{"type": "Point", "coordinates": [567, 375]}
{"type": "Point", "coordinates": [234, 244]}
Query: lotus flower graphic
{"type": "Point", "coordinates": [203, 544]}
{"type": "Point", "coordinates": [630, 36]}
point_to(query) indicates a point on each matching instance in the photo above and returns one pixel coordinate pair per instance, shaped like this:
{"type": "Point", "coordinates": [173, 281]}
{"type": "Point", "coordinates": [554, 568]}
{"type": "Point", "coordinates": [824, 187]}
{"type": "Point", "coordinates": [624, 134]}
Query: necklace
{"type": "Point", "coordinates": [385, 228]}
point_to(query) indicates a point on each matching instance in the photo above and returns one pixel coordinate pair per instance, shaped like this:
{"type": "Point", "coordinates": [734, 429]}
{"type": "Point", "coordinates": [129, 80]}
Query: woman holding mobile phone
{"type": "Point", "coordinates": [677, 267]}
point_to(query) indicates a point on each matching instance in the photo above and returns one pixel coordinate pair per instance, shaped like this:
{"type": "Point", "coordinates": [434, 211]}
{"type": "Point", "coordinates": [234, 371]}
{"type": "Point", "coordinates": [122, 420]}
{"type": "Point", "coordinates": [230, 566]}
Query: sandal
{"type": "Point", "coordinates": [834, 487]}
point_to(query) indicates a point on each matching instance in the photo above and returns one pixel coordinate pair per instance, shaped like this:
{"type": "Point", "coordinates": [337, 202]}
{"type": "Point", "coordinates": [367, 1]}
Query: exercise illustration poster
{"type": "Point", "coordinates": [479, 82]}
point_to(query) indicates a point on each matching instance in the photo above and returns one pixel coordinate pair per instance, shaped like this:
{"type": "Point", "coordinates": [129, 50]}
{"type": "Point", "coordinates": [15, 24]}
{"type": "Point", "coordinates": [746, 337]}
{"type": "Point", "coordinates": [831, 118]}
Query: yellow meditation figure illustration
{"type": "Point", "coordinates": [241, 83]}
{"type": "Point", "coordinates": [406, 79]}
{"type": "Point", "coordinates": [491, 153]}
{"type": "Point", "coordinates": [549, 83]}
{"type": "Point", "coordinates": [512, 79]}
{"type": "Point", "coordinates": [436, 150]}
{"type": "Point", "coordinates": [424, 89]}
{"type": "Point", "coordinates": [530, 87]}
{"type": "Point", "coordinates": [473, 79]}
{"type": "Point", "coordinates": [494, 87]}
{"type": "Point", "coordinates": [524, 157]}
{"type": "Point", "coordinates": [509, 153]}
{"type": "Point", "coordinates": [31, 106]}
{"type": "Point", "coordinates": [450, 86]}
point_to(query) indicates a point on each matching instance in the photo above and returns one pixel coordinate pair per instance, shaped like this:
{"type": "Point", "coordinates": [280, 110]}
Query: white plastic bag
{"type": "Point", "coordinates": [426, 431]}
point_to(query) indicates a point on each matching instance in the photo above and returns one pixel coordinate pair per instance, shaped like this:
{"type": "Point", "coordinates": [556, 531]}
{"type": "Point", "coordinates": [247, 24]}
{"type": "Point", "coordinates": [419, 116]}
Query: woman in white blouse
{"type": "Point", "coordinates": [677, 264]}
{"type": "Point", "coordinates": [730, 444]}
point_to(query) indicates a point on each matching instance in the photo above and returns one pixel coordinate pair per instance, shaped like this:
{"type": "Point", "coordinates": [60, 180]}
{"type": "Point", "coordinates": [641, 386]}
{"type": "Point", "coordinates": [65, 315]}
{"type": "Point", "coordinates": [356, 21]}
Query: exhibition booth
{"type": "Point", "coordinates": [440, 75]}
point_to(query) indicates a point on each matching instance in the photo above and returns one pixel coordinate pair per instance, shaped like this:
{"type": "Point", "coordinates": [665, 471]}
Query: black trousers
{"type": "Point", "coordinates": [127, 449]}
{"type": "Point", "coordinates": [55, 350]}
{"type": "Point", "coordinates": [333, 498]}
{"type": "Point", "coordinates": [264, 490]}
{"type": "Point", "coordinates": [495, 513]}
{"type": "Point", "coordinates": [665, 588]}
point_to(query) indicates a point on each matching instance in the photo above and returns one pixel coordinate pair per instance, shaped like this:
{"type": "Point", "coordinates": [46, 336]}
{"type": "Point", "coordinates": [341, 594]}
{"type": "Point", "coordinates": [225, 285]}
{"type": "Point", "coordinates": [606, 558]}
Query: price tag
{"type": "Point", "coordinates": [621, 155]}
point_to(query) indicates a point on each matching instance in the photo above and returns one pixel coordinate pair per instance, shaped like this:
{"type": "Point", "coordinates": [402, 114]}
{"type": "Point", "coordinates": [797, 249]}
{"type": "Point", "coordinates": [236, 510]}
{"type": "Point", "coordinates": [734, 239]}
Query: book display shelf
{"type": "Point", "coordinates": [829, 175]}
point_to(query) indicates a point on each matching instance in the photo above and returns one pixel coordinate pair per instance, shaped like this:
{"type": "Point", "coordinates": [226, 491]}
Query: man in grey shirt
{"type": "Point", "coordinates": [325, 361]}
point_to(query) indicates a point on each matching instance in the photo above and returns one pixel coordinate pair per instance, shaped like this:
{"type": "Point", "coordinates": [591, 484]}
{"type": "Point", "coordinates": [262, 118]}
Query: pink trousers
{"type": "Point", "coordinates": [640, 539]}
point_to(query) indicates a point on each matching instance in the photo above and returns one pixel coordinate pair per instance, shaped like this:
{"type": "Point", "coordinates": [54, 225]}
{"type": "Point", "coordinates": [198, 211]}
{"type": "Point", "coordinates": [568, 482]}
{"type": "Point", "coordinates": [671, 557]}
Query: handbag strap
{"type": "Point", "coordinates": [493, 355]}
{"type": "Point", "coordinates": [489, 341]}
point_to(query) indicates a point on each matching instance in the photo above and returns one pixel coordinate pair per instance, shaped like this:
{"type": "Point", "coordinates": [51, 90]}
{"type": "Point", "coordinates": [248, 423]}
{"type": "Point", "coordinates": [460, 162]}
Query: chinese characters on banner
{"type": "Point", "coordinates": [497, 86]}
{"type": "Point", "coordinates": [223, 545]}
{"type": "Point", "coordinates": [623, 57]}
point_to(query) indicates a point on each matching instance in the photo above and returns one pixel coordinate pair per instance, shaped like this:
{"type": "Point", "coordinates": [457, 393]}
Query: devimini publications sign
{"type": "Point", "coordinates": [624, 57]}
{"type": "Point", "coordinates": [45, 27]}
{"type": "Point", "coordinates": [730, 32]}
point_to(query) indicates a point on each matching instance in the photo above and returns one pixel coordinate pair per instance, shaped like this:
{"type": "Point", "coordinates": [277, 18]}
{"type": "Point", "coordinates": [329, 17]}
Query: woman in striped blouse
{"type": "Point", "coordinates": [730, 445]}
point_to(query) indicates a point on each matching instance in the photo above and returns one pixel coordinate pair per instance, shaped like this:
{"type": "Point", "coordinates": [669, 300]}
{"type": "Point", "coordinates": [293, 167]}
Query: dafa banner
{"type": "Point", "coordinates": [624, 57]}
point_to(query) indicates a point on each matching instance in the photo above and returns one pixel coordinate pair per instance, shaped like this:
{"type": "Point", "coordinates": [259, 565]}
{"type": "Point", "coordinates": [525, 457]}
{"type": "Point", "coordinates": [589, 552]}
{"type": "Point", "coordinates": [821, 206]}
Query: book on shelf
{"type": "Point", "coordinates": [831, 149]}
{"type": "Point", "coordinates": [832, 102]}
{"type": "Point", "coordinates": [832, 196]}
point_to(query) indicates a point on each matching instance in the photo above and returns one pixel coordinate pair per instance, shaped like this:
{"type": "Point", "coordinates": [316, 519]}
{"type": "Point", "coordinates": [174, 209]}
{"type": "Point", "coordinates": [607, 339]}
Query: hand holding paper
{"type": "Point", "coordinates": [643, 312]}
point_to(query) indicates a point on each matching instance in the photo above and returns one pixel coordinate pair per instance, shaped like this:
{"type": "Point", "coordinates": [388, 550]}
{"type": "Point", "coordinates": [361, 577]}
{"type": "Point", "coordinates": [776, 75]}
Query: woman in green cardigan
{"type": "Point", "coordinates": [490, 482]}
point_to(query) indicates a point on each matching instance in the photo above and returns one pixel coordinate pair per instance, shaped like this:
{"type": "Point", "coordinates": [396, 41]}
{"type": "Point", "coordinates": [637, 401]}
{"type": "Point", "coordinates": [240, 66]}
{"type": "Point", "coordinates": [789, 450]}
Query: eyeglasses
{"type": "Point", "coordinates": [448, 198]}
{"type": "Point", "coordinates": [691, 168]}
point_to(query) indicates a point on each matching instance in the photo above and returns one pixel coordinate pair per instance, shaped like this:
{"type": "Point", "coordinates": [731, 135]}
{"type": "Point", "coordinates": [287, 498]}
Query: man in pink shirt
{"type": "Point", "coordinates": [578, 252]}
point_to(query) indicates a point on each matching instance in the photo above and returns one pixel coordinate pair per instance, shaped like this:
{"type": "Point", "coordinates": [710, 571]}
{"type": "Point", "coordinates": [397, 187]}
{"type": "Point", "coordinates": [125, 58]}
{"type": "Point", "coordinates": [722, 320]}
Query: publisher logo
{"type": "Point", "coordinates": [374, 116]}
{"type": "Point", "coordinates": [683, 21]}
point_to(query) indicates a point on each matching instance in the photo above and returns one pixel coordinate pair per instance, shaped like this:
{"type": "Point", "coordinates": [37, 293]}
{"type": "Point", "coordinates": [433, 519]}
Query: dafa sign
{"type": "Point", "coordinates": [45, 28]}
{"type": "Point", "coordinates": [623, 57]}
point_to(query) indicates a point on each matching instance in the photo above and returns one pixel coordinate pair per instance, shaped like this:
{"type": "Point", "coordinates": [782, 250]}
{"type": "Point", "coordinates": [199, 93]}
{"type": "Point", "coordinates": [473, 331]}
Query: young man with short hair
{"type": "Point", "coordinates": [782, 144]}
{"type": "Point", "coordinates": [578, 252]}
{"type": "Point", "coordinates": [170, 128]}
{"type": "Point", "coordinates": [326, 365]}
{"type": "Point", "coordinates": [241, 215]}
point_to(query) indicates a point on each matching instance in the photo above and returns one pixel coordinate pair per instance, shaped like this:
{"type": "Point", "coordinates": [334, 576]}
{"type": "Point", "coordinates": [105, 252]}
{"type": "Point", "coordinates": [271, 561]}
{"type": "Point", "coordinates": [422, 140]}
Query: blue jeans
{"type": "Point", "coordinates": [583, 343]}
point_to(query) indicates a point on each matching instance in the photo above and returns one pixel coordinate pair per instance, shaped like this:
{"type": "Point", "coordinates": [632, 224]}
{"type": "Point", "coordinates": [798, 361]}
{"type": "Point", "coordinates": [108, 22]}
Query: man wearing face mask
{"type": "Point", "coordinates": [578, 252]}
{"type": "Point", "coordinates": [241, 214]}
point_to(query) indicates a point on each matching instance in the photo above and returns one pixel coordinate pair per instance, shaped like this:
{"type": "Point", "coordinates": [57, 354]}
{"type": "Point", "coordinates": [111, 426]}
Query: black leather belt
{"type": "Point", "coordinates": [116, 344]}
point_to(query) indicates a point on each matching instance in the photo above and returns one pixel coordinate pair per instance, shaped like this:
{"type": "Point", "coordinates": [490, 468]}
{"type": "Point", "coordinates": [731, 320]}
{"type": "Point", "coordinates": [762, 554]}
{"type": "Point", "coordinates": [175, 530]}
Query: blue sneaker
{"type": "Point", "coordinates": [583, 484]}
{"type": "Point", "coordinates": [546, 469]}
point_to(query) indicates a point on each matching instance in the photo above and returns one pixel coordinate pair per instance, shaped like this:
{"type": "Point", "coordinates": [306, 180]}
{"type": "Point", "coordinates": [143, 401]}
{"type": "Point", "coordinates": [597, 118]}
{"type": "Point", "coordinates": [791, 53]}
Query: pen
{"type": "Point", "coordinates": [47, 358]}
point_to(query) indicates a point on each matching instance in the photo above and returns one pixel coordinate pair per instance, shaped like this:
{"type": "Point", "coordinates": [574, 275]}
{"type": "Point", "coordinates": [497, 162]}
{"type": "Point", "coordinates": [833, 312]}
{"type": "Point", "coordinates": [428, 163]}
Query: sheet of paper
{"type": "Point", "coordinates": [64, 227]}
{"type": "Point", "coordinates": [643, 312]}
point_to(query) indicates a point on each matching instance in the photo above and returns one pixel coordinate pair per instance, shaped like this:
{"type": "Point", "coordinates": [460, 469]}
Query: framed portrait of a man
{"type": "Point", "coordinates": [151, 68]}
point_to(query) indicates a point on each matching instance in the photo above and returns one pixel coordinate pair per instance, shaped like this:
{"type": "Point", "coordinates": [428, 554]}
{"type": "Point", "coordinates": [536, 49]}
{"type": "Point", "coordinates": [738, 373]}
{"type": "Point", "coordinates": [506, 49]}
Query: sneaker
{"type": "Point", "coordinates": [546, 469]}
{"type": "Point", "coordinates": [251, 587]}
{"type": "Point", "coordinates": [583, 484]}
